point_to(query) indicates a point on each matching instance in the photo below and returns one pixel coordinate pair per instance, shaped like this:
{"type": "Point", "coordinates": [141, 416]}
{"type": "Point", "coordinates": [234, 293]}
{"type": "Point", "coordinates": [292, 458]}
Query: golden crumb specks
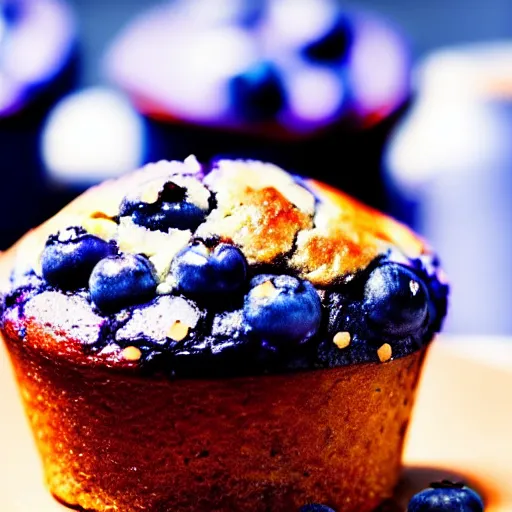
{"type": "Point", "coordinates": [102, 227]}
{"type": "Point", "coordinates": [100, 215]}
{"type": "Point", "coordinates": [342, 339]}
{"type": "Point", "coordinates": [178, 331]}
{"type": "Point", "coordinates": [264, 290]}
{"type": "Point", "coordinates": [131, 353]}
{"type": "Point", "coordinates": [151, 191]}
{"type": "Point", "coordinates": [385, 352]}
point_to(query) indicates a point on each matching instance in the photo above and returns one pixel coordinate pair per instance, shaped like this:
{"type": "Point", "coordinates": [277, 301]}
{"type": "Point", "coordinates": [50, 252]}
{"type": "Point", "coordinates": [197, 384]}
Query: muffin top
{"type": "Point", "coordinates": [286, 68]}
{"type": "Point", "coordinates": [227, 268]}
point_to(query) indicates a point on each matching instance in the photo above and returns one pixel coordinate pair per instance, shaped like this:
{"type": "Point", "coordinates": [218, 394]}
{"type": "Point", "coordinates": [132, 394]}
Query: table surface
{"type": "Point", "coordinates": [462, 424]}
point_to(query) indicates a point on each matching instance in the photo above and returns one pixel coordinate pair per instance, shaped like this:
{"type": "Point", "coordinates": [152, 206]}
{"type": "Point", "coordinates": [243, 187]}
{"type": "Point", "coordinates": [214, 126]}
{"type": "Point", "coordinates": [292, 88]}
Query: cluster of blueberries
{"type": "Point", "coordinates": [386, 302]}
{"type": "Point", "coordinates": [444, 496]}
{"type": "Point", "coordinates": [74, 259]}
{"type": "Point", "coordinates": [249, 313]}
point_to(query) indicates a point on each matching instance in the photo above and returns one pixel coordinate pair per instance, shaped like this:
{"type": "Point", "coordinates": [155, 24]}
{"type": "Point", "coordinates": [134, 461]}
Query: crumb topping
{"type": "Point", "coordinates": [385, 352]}
{"type": "Point", "coordinates": [160, 247]}
{"type": "Point", "coordinates": [342, 339]}
{"type": "Point", "coordinates": [230, 179]}
{"type": "Point", "coordinates": [131, 353]}
{"type": "Point", "coordinates": [178, 331]}
{"type": "Point", "coordinates": [203, 262]}
{"type": "Point", "coordinates": [323, 234]}
{"type": "Point", "coordinates": [263, 223]}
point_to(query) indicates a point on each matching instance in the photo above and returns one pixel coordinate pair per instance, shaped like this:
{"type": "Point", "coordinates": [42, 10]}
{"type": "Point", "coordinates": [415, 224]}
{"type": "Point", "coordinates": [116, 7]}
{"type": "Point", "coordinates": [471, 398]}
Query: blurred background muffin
{"type": "Point", "coordinates": [38, 62]}
{"type": "Point", "coordinates": [285, 80]}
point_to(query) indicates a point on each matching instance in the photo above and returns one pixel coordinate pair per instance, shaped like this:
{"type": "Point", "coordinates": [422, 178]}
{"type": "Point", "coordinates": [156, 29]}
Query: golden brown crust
{"type": "Point", "coordinates": [268, 224]}
{"type": "Point", "coordinates": [363, 222]}
{"type": "Point", "coordinates": [115, 442]}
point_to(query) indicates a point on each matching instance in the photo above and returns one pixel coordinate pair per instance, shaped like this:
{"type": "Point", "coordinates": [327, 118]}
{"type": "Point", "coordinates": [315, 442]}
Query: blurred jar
{"type": "Point", "coordinates": [449, 170]}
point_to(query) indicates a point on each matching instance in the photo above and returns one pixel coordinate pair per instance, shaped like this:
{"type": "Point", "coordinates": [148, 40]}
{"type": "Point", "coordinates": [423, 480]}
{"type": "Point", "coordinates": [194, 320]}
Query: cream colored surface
{"type": "Point", "coordinates": [463, 417]}
{"type": "Point", "coordinates": [462, 423]}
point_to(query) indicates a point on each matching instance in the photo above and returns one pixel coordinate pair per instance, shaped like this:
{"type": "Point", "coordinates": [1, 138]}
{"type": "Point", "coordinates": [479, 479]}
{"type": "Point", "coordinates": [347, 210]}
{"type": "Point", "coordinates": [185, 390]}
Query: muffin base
{"type": "Point", "coordinates": [117, 440]}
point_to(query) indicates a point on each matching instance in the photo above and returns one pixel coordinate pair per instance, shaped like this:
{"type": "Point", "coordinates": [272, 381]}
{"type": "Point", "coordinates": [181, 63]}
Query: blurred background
{"type": "Point", "coordinates": [406, 105]}
{"type": "Point", "coordinates": [427, 24]}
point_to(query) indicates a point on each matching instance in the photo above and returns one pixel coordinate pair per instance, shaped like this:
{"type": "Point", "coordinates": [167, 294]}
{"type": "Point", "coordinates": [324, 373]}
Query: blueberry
{"type": "Point", "coordinates": [333, 44]}
{"type": "Point", "coordinates": [171, 210]}
{"type": "Point", "coordinates": [258, 94]}
{"type": "Point", "coordinates": [200, 271]}
{"type": "Point", "coordinates": [315, 507]}
{"type": "Point", "coordinates": [396, 300]}
{"type": "Point", "coordinates": [282, 308]}
{"type": "Point", "coordinates": [120, 281]}
{"type": "Point", "coordinates": [11, 11]}
{"type": "Point", "coordinates": [251, 13]}
{"type": "Point", "coordinates": [168, 215]}
{"type": "Point", "coordinates": [448, 496]}
{"type": "Point", "coordinates": [69, 257]}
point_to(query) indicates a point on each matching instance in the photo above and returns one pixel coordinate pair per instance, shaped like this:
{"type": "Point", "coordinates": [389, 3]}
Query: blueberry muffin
{"type": "Point", "coordinates": [220, 337]}
{"type": "Point", "coordinates": [238, 77]}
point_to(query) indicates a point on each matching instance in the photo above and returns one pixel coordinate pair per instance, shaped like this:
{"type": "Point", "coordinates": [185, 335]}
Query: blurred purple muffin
{"type": "Point", "coordinates": [38, 63]}
{"type": "Point", "coordinates": [37, 38]}
{"type": "Point", "coordinates": [256, 78]}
